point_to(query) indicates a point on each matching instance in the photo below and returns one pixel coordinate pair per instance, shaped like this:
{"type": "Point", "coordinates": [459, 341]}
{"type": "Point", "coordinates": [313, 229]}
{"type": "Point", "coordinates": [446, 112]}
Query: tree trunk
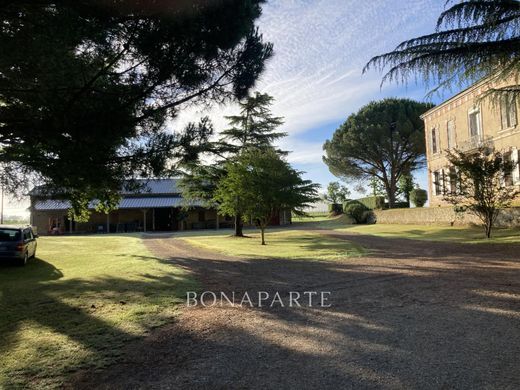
{"type": "Point", "coordinates": [238, 226]}
{"type": "Point", "coordinates": [262, 229]}
{"type": "Point", "coordinates": [391, 197]}
{"type": "Point", "coordinates": [489, 226]}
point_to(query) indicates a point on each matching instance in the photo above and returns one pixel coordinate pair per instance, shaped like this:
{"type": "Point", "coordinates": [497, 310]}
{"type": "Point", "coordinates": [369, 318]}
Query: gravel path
{"type": "Point", "coordinates": [410, 314]}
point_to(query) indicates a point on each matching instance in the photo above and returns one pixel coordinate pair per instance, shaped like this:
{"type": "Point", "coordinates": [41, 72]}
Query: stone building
{"type": "Point", "coordinates": [466, 121]}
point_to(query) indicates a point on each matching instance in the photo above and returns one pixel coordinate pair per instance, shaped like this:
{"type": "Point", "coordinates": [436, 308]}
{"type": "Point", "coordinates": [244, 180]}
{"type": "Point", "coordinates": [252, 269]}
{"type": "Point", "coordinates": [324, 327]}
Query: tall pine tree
{"type": "Point", "coordinates": [253, 127]}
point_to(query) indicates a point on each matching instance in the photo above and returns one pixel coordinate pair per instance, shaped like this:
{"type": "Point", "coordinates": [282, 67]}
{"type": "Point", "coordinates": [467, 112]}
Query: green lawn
{"type": "Point", "coordinates": [473, 235]}
{"type": "Point", "coordinates": [78, 304]}
{"type": "Point", "coordinates": [288, 244]}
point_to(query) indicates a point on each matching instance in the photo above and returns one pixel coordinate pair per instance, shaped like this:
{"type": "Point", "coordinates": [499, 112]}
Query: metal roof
{"type": "Point", "coordinates": [125, 203]}
{"type": "Point", "coordinates": [148, 186]}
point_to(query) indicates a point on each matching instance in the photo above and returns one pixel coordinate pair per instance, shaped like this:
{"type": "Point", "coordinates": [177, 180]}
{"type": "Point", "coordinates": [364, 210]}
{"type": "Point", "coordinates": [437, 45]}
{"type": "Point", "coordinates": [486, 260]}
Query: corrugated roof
{"type": "Point", "coordinates": [125, 203]}
{"type": "Point", "coordinates": [149, 186]}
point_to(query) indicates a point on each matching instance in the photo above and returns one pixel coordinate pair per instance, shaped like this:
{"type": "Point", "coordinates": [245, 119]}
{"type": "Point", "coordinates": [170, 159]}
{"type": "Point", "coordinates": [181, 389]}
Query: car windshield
{"type": "Point", "coordinates": [10, 235]}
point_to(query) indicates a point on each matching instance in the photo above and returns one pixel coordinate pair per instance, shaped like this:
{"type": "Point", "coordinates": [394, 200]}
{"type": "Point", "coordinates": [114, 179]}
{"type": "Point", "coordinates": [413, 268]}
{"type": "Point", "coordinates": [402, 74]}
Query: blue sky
{"type": "Point", "coordinates": [316, 75]}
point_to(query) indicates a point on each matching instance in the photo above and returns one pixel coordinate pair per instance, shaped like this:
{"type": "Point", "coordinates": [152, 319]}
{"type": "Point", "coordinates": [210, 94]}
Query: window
{"type": "Point", "coordinates": [508, 111]}
{"type": "Point", "coordinates": [437, 183]}
{"type": "Point", "coordinates": [450, 129]}
{"type": "Point", "coordinates": [453, 180]}
{"type": "Point", "coordinates": [434, 141]}
{"type": "Point", "coordinates": [508, 176]}
{"type": "Point", "coordinates": [27, 235]}
{"type": "Point", "coordinates": [474, 123]}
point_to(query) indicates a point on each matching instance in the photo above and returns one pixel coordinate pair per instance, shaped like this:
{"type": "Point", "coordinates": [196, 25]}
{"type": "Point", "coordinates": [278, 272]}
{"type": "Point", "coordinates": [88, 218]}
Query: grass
{"type": "Point", "coordinates": [289, 244]}
{"type": "Point", "coordinates": [78, 304]}
{"type": "Point", "coordinates": [461, 234]}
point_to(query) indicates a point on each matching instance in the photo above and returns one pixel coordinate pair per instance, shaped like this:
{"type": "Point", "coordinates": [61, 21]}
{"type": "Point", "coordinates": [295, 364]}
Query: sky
{"type": "Point", "coordinates": [315, 75]}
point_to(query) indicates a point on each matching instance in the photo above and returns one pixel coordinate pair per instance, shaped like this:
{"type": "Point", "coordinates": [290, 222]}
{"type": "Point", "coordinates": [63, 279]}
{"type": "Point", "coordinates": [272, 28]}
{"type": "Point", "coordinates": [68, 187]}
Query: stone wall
{"type": "Point", "coordinates": [443, 216]}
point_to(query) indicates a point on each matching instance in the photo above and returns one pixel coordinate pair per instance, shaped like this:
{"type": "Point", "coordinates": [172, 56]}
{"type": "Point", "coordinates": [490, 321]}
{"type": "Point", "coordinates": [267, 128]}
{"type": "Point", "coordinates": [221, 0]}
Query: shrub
{"type": "Point", "coordinates": [335, 208]}
{"type": "Point", "coordinates": [419, 197]}
{"type": "Point", "coordinates": [400, 205]}
{"type": "Point", "coordinates": [370, 202]}
{"type": "Point", "coordinates": [357, 212]}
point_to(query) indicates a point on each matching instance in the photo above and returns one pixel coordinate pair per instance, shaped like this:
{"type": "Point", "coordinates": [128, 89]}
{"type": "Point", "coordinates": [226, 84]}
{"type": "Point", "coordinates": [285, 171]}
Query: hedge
{"type": "Point", "coordinates": [370, 202]}
{"type": "Point", "coordinates": [335, 208]}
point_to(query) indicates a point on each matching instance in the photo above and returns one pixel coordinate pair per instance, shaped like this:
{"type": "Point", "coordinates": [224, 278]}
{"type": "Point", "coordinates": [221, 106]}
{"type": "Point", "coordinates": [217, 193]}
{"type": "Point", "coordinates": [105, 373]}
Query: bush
{"type": "Point", "coordinates": [419, 197]}
{"type": "Point", "coordinates": [335, 208]}
{"type": "Point", "coordinates": [357, 212]}
{"type": "Point", "coordinates": [370, 202]}
{"type": "Point", "coordinates": [400, 205]}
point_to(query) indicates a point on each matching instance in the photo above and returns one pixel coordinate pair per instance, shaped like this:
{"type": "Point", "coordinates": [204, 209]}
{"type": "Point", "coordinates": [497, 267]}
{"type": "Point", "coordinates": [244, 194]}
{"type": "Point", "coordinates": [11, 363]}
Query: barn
{"type": "Point", "coordinates": [158, 205]}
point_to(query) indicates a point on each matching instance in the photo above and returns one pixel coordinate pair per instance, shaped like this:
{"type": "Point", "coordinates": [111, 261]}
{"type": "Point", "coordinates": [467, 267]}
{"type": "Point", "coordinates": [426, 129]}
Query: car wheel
{"type": "Point", "coordinates": [34, 254]}
{"type": "Point", "coordinates": [25, 259]}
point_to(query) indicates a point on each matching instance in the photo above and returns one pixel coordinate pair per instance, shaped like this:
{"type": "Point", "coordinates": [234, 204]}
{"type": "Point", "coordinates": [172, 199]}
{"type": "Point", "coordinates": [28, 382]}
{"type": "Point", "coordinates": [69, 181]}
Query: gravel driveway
{"type": "Point", "coordinates": [410, 314]}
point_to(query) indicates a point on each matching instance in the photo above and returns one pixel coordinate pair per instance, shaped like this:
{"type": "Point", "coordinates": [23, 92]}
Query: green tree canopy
{"type": "Point", "coordinates": [253, 127]}
{"type": "Point", "coordinates": [383, 140]}
{"type": "Point", "coordinates": [473, 39]}
{"type": "Point", "coordinates": [259, 184]}
{"type": "Point", "coordinates": [336, 193]}
{"type": "Point", "coordinates": [480, 184]}
{"type": "Point", "coordinates": [87, 86]}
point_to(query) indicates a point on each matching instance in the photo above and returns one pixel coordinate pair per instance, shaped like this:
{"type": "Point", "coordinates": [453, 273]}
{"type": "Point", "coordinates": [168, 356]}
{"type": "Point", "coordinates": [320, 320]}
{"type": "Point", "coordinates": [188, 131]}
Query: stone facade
{"type": "Point", "coordinates": [466, 121]}
{"type": "Point", "coordinates": [443, 216]}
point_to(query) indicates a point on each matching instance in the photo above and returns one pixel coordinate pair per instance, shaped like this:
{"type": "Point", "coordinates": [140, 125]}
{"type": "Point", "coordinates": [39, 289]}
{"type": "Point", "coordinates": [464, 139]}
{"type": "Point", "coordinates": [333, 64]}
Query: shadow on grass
{"type": "Point", "coordinates": [98, 315]}
{"type": "Point", "coordinates": [400, 318]}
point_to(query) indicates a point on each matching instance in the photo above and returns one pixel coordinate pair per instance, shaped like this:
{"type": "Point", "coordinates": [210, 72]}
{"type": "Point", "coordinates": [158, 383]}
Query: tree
{"type": "Point", "coordinates": [482, 184]}
{"type": "Point", "coordinates": [473, 39]}
{"type": "Point", "coordinates": [405, 186]}
{"type": "Point", "coordinates": [254, 127]}
{"type": "Point", "coordinates": [259, 184]}
{"type": "Point", "coordinates": [336, 193]}
{"type": "Point", "coordinates": [419, 197]}
{"type": "Point", "coordinates": [383, 140]}
{"type": "Point", "coordinates": [87, 87]}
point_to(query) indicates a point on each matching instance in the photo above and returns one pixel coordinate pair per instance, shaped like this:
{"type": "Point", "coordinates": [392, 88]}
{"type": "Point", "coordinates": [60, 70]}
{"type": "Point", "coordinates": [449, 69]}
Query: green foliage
{"type": "Point", "coordinates": [481, 186]}
{"type": "Point", "coordinates": [369, 202]}
{"type": "Point", "coordinates": [406, 185]}
{"type": "Point", "coordinates": [473, 39]}
{"type": "Point", "coordinates": [383, 140]}
{"type": "Point", "coordinates": [87, 87]}
{"type": "Point", "coordinates": [259, 183]}
{"type": "Point", "coordinates": [357, 212]}
{"type": "Point", "coordinates": [399, 205]}
{"type": "Point", "coordinates": [418, 197]}
{"type": "Point", "coordinates": [335, 208]}
{"type": "Point", "coordinates": [253, 128]}
{"type": "Point", "coordinates": [336, 193]}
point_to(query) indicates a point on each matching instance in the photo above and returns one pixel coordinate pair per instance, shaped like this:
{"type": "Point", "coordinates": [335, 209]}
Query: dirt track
{"type": "Point", "coordinates": [410, 314]}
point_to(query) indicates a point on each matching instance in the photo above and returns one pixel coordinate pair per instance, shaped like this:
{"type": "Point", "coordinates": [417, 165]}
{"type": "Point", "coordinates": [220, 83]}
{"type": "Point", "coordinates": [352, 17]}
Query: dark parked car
{"type": "Point", "coordinates": [17, 242]}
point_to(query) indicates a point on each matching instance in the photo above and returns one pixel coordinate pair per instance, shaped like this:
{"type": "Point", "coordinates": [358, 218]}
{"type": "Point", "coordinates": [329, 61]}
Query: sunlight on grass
{"type": "Point", "coordinates": [79, 303]}
{"type": "Point", "coordinates": [461, 234]}
{"type": "Point", "coordinates": [293, 244]}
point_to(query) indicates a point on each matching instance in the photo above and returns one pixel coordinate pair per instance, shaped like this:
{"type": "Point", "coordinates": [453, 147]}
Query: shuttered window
{"type": "Point", "coordinates": [508, 111]}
